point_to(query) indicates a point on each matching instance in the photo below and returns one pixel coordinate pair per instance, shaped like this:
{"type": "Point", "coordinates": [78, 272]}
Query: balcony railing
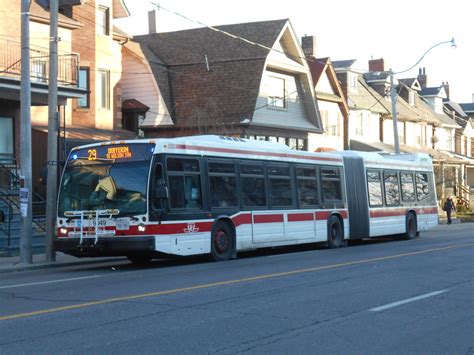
{"type": "Point", "coordinates": [10, 63]}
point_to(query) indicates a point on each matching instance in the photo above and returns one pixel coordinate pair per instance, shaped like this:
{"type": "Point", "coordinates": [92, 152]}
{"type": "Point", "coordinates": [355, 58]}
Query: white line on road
{"type": "Point", "coordinates": [408, 300]}
{"type": "Point", "coordinates": [50, 282]}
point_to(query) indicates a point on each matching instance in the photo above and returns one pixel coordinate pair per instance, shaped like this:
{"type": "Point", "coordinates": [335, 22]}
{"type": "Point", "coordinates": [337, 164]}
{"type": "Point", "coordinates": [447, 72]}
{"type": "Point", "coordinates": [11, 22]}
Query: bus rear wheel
{"type": "Point", "coordinates": [335, 233]}
{"type": "Point", "coordinates": [222, 242]}
{"type": "Point", "coordinates": [411, 226]}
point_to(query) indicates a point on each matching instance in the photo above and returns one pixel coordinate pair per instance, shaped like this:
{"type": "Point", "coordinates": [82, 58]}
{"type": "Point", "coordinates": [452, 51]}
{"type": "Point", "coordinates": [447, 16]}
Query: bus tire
{"type": "Point", "coordinates": [335, 233]}
{"type": "Point", "coordinates": [140, 259]}
{"type": "Point", "coordinates": [222, 242]}
{"type": "Point", "coordinates": [411, 226]}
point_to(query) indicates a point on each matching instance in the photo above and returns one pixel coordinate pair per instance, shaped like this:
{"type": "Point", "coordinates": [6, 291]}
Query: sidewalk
{"type": "Point", "coordinates": [12, 263]}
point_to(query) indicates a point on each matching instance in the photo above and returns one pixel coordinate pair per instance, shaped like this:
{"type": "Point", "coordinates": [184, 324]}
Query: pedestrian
{"type": "Point", "coordinates": [449, 207]}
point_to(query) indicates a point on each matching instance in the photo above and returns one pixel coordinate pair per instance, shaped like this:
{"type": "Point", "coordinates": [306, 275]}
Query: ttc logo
{"type": "Point", "coordinates": [191, 228]}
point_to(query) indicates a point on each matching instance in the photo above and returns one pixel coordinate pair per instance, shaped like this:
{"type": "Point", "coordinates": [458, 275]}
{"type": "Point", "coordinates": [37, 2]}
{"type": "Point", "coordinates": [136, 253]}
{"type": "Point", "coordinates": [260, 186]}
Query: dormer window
{"type": "Point", "coordinates": [411, 98]}
{"type": "Point", "coordinates": [103, 21]}
{"type": "Point", "coordinates": [276, 92]}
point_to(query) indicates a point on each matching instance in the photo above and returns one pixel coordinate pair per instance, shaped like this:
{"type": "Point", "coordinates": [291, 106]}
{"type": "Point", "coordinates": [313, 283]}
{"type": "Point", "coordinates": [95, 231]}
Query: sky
{"type": "Point", "coordinates": [347, 29]}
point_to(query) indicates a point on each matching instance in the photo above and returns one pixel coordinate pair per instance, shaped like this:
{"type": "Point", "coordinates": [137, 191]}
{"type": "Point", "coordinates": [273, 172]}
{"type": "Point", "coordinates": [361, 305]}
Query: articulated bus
{"type": "Point", "coordinates": [221, 195]}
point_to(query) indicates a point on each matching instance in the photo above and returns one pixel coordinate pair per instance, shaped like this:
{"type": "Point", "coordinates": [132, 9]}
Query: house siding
{"type": "Point", "coordinates": [293, 116]}
{"type": "Point", "coordinates": [138, 83]}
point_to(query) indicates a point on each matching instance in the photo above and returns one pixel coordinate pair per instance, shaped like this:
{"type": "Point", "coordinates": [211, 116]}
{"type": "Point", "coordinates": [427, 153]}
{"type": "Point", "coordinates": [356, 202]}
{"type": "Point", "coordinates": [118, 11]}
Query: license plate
{"type": "Point", "coordinates": [122, 224]}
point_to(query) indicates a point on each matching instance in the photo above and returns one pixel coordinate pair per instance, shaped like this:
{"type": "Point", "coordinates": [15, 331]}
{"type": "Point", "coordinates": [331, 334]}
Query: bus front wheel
{"type": "Point", "coordinates": [411, 226]}
{"type": "Point", "coordinates": [222, 242]}
{"type": "Point", "coordinates": [335, 233]}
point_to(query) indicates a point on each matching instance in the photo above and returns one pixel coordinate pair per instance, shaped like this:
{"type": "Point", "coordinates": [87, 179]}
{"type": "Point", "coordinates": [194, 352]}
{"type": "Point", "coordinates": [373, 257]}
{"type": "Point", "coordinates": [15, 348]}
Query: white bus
{"type": "Point", "coordinates": [221, 195]}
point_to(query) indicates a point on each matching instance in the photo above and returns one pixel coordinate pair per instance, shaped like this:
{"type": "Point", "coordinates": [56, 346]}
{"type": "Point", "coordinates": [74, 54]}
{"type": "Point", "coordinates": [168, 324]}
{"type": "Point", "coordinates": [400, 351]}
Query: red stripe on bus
{"type": "Point", "coordinates": [324, 215]}
{"type": "Point", "coordinates": [267, 218]}
{"type": "Point", "coordinates": [402, 211]}
{"type": "Point", "coordinates": [254, 152]}
{"type": "Point", "coordinates": [300, 217]}
{"type": "Point", "coordinates": [244, 218]}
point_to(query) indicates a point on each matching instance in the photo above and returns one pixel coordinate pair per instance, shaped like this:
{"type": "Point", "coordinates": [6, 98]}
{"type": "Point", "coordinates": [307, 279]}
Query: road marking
{"type": "Point", "coordinates": [228, 282]}
{"type": "Point", "coordinates": [408, 300]}
{"type": "Point", "coordinates": [50, 282]}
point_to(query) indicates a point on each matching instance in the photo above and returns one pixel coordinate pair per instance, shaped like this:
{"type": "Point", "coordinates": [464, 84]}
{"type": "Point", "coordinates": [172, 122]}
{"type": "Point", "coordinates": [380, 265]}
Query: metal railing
{"type": "Point", "coordinates": [10, 63]}
{"type": "Point", "coordinates": [10, 202]}
{"type": "Point", "coordinates": [463, 195]}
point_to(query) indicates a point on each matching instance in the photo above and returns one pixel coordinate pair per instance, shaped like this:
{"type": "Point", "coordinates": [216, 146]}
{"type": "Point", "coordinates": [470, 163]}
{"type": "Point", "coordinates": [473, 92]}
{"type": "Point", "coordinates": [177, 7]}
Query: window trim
{"type": "Point", "coordinates": [104, 30]}
{"type": "Point", "coordinates": [87, 87]}
{"type": "Point", "coordinates": [106, 105]}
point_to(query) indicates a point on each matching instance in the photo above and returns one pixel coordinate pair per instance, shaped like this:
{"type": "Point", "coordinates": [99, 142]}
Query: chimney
{"type": "Point", "coordinates": [422, 78]}
{"type": "Point", "coordinates": [446, 88]}
{"type": "Point", "coordinates": [376, 65]}
{"type": "Point", "coordinates": [152, 21]}
{"type": "Point", "coordinates": [308, 43]}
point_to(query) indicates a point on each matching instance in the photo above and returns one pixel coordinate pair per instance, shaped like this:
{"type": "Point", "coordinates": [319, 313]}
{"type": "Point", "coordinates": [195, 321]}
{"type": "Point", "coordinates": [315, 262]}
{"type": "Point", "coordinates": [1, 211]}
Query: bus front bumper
{"type": "Point", "coordinates": [113, 246]}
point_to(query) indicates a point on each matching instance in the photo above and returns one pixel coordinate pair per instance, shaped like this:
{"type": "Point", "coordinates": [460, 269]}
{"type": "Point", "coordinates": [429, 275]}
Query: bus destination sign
{"type": "Point", "coordinates": [128, 152]}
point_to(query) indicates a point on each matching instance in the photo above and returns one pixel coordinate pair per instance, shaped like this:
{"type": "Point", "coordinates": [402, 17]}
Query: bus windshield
{"type": "Point", "coordinates": [106, 177]}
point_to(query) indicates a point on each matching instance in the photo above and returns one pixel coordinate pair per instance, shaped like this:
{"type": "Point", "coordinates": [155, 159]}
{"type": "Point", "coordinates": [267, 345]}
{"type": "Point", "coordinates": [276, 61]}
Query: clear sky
{"type": "Point", "coordinates": [398, 31]}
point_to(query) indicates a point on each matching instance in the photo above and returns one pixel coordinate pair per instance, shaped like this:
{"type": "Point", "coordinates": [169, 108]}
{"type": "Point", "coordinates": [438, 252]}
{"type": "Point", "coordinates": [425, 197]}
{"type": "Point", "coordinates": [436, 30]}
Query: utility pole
{"type": "Point", "coordinates": [53, 123]}
{"type": "Point", "coordinates": [26, 185]}
{"type": "Point", "coordinates": [393, 98]}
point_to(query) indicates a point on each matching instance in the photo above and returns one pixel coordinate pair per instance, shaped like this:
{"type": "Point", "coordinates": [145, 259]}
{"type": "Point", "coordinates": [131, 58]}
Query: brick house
{"type": "Point", "coordinates": [89, 67]}
{"type": "Point", "coordinates": [206, 82]}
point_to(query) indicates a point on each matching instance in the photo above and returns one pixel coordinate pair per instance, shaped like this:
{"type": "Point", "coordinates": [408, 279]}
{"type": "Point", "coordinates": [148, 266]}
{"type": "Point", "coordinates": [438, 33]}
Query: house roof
{"type": "Point", "coordinates": [433, 91]}
{"type": "Point", "coordinates": [209, 76]}
{"type": "Point", "coordinates": [317, 67]}
{"type": "Point", "coordinates": [133, 104]}
{"type": "Point", "coordinates": [343, 63]}
{"type": "Point", "coordinates": [468, 108]}
{"type": "Point", "coordinates": [435, 154]}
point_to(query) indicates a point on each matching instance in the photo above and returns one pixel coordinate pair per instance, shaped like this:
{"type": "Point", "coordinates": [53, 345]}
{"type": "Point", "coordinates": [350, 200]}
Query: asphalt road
{"type": "Point", "coordinates": [384, 296]}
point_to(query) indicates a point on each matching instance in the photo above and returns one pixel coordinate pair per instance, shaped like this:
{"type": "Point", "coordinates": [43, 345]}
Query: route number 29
{"type": "Point", "coordinates": [92, 154]}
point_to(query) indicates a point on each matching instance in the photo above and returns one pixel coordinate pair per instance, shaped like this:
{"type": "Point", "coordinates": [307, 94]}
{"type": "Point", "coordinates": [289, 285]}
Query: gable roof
{"type": "Point", "coordinates": [210, 77]}
{"type": "Point", "coordinates": [317, 67]}
{"type": "Point", "coordinates": [468, 108]}
{"type": "Point", "coordinates": [433, 91]}
{"type": "Point", "coordinates": [343, 63]}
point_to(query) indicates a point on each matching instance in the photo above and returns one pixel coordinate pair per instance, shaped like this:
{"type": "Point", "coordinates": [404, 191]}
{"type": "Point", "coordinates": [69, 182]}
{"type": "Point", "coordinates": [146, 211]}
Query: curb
{"type": "Point", "coordinates": [41, 266]}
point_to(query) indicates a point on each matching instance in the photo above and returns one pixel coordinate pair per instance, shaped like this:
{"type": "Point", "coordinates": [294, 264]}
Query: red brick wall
{"type": "Point", "coordinates": [83, 42]}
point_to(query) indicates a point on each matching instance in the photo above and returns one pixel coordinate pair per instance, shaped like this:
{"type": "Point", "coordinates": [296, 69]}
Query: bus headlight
{"type": "Point", "coordinates": [141, 228]}
{"type": "Point", "coordinates": [63, 231]}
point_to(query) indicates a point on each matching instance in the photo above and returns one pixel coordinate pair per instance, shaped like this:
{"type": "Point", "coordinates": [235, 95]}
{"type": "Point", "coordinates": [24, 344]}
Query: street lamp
{"type": "Point", "coordinates": [393, 94]}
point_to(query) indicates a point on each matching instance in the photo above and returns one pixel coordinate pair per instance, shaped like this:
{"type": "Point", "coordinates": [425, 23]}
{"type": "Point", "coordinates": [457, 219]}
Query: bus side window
{"type": "Point", "coordinates": [331, 183]}
{"type": "Point", "coordinates": [184, 183]}
{"type": "Point", "coordinates": [392, 191]}
{"type": "Point", "coordinates": [408, 187]}
{"type": "Point", "coordinates": [160, 191]}
{"type": "Point", "coordinates": [422, 186]}
{"type": "Point", "coordinates": [374, 187]}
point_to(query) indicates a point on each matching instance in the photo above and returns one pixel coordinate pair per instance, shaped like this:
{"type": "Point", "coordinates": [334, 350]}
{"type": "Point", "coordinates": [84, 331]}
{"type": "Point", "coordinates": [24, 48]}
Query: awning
{"type": "Point", "coordinates": [86, 134]}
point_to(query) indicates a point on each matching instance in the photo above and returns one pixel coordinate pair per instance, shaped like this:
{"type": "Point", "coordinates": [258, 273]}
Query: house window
{"type": "Point", "coordinates": [6, 136]}
{"type": "Point", "coordinates": [83, 83]}
{"type": "Point", "coordinates": [411, 98]}
{"type": "Point", "coordinates": [104, 89]}
{"type": "Point", "coordinates": [276, 92]}
{"type": "Point", "coordinates": [103, 16]}
{"type": "Point", "coordinates": [352, 81]}
{"type": "Point", "coordinates": [359, 122]}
